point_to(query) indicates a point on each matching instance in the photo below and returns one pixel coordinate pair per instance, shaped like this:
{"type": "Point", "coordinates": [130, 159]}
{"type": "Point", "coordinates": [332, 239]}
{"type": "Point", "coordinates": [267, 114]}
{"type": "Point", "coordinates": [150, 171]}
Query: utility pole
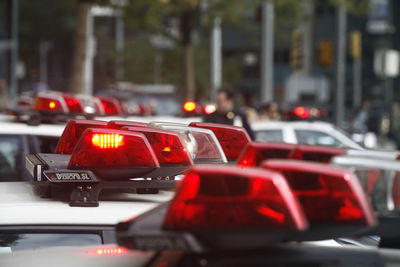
{"type": "Point", "coordinates": [340, 64]}
{"type": "Point", "coordinates": [14, 50]}
{"type": "Point", "coordinates": [356, 52]}
{"type": "Point", "coordinates": [306, 29]}
{"type": "Point", "coordinates": [267, 51]}
{"type": "Point", "coordinates": [119, 44]}
{"type": "Point", "coordinates": [216, 57]}
{"type": "Point", "coordinates": [44, 47]}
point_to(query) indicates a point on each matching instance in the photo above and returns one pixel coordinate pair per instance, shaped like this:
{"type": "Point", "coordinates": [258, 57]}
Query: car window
{"type": "Point", "coordinates": [22, 241]}
{"type": "Point", "coordinates": [310, 137]}
{"type": "Point", "coordinates": [47, 144]}
{"type": "Point", "coordinates": [269, 136]}
{"type": "Point", "coordinates": [10, 147]}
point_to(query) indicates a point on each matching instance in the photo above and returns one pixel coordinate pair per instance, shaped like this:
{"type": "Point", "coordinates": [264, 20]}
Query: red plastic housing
{"type": "Point", "coordinates": [233, 139]}
{"type": "Point", "coordinates": [328, 195]}
{"type": "Point", "coordinates": [321, 154]}
{"type": "Point", "coordinates": [50, 103]}
{"type": "Point", "coordinates": [73, 103]}
{"type": "Point", "coordinates": [73, 131]}
{"type": "Point", "coordinates": [111, 106]}
{"type": "Point", "coordinates": [396, 190]}
{"type": "Point", "coordinates": [214, 197]}
{"type": "Point", "coordinates": [133, 151]}
{"type": "Point", "coordinates": [167, 145]}
{"type": "Point", "coordinates": [120, 124]}
{"type": "Point", "coordinates": [254, 153]}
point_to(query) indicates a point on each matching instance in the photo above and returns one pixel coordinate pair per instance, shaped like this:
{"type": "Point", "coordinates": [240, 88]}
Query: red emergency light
{"type": "Point", "coordinates": [111, 106]}
{"type": "Point", "coordinates": [167, 145]}
{"type": "Point", "coordinates": [301, 112]}
{"type": "Point", "coordinates": [321, 154]}
{"type": "Point", "coordinates": [113, 154]}
{"type": "Point", "coordinates": [328, 195]}
{"type": "Point", "coordinates": [255, 152]}
{"type": "Point", "coordinates": [50, 103]}
{"type": "Point", "coordinates": [233, 139]}
{"type": "Point", "coordinates": [73, 103]}
{"type": "Point", "coordinates": [73, 131]}
{"type": "Point", "coordinates": [189, 106]}
{"type": "Point", "coordinates": [225, 198]}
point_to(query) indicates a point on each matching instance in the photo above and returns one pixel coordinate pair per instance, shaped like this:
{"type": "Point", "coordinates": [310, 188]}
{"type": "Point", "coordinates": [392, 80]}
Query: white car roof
{"type": "Point", "coordinates": [20, 205]}
{"type": "Point", "coordinates": [19, 128]}
{"type": "Point", "coordinates": [260, 125]}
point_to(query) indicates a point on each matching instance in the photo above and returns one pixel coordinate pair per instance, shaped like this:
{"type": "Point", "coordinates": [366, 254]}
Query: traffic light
{"type": "Point", "coordinates": [325, 53]}
{"type": "Point", "coordinates": [296, 51]}
{"type": "Point", "coordinates": [355, 44]}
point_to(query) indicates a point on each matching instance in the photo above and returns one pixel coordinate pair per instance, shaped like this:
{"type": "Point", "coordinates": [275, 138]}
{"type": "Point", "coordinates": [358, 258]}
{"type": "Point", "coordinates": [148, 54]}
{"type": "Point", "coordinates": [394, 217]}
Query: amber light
{"type": "Point", "coordinates": [107, 140]}
{"type": "Point", "coordinates": [52, 104]}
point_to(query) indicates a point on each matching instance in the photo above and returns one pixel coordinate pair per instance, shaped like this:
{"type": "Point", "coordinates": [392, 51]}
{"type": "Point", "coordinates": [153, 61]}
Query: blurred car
{"type": "Point", "coordinates": [302, 132]}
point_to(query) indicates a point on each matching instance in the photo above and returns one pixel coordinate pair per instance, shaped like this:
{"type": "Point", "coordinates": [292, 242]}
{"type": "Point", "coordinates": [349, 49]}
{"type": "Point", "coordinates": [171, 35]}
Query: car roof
{"type": "Point", "coordinates": [20, 205]}
{"type": "Point", "coordinates": [19, 128]}
{"type": "Point", "coordinates": [260, 125]}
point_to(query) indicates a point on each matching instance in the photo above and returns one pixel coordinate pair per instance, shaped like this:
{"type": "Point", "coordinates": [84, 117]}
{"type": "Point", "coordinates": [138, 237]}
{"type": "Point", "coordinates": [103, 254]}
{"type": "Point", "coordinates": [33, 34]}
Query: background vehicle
{"type": "Point", "coordinates": [302, 132]}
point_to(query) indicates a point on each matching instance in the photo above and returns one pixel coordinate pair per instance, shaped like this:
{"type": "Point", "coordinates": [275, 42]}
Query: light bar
{"type": "Point", "coordinates": [321, 154]}
{"type": "Point", "coordinates": [111, 106]}
{"type": "Point", "coordinates": [254, 153]}
{"type": "Point", "coordinates": [73, 131]}
{"type": "Point", "coordinates": [50, 103]}
{"type": "Point", "coordinates": [233, 139]}
{"type": "Point", "coordinates": [113, 154]}
{"type": "Point", "coordinates": [328, 195]}
{"type": "Point", "coordinates": [224, 198]}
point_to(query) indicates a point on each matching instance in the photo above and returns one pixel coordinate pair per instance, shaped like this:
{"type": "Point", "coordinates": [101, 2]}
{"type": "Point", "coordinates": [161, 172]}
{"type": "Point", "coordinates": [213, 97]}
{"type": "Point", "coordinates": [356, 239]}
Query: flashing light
{"type": "Point", "coordinates": [73, 131]}
{"type": "Point", "coordinates": [50, 102]}
{"type": "Point", "coordinates": [73, 103]}
{"type": "Point", "coordinates": [229, 198]}
{"type": "Point", "coordinates": [132, 156]}
{"type": "Point", "coordinates": [233, 139]}
{"type": "Point", "coordinates": [202, 144]}
{"type": "Point", "coordinates": [301, 112]}
{"type": "Point", "coordinates": [110, 251]}
{"type": "Point", "coordinates": [328, 195]}
{"type": "Point", "coordinates": [168, 146]}
{"type": "Point", "coordinates": [107, 140]}
{"type": "Point", "coordinates": [110, 105]}
{"type": "Point", "coordinates": [254, 153]}
{"type": "Point", "coordinates": [321, 154]}
{"type": "Point", "coordinates": [189, 106]}
{"type": "Point", "coordinates": [209, 108]}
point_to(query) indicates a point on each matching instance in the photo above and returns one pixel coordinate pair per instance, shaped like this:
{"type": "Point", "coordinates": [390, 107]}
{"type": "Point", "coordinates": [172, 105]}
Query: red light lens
{"type": "Point", "coordinates": [316, 153]}
{"type": "Point", "coordinates": [120, 124]}
{"type": "Point", "coordinates": [301, 112]}
{"type": "Point", "coordinates": [189, 106]}
{"type": "Point", "coordinates": [131, 150]}
{"type": "Point", "coordinates": [111, 106]}
{"type": "Point", "coordinates": [50, 103]}
{"type": "Point", "coordinates": [215, 197]}
{"type": "Point", "coordinates": [328, 195]}
{"type": "Point", "coordinates": [233, 139]}
{"type": "Point", "coordinates": [73, 131]}
{"type": "Point", "coordinates": [73, 103]}
{"type": "Point", "coordinates": [254, 153]}
{"type": "Point", "coordinates": [167, 145]}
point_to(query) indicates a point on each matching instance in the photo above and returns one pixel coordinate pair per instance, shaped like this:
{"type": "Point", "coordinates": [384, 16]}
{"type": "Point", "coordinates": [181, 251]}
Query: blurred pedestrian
{"type": "Point", "coordinates": [248, 109]}
{"type": "Point", "coordinates": [271, 111]}
{"type": "Point", "coordinates": [225, 112]}
{"type": "Point", "coordinates": [5, 101]}
{"type": "Point", "coordinates": [360, 123]}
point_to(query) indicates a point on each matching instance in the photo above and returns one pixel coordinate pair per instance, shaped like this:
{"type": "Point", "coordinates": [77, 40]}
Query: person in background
{"type": "Point", "coordinates": [226, 114]}
{"type": "Point", "coordinates": [271, 112]}
{"type": "Point", "coordinates": [5, 101]}
{"type": "Point", "coordinates": [248, 109]}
